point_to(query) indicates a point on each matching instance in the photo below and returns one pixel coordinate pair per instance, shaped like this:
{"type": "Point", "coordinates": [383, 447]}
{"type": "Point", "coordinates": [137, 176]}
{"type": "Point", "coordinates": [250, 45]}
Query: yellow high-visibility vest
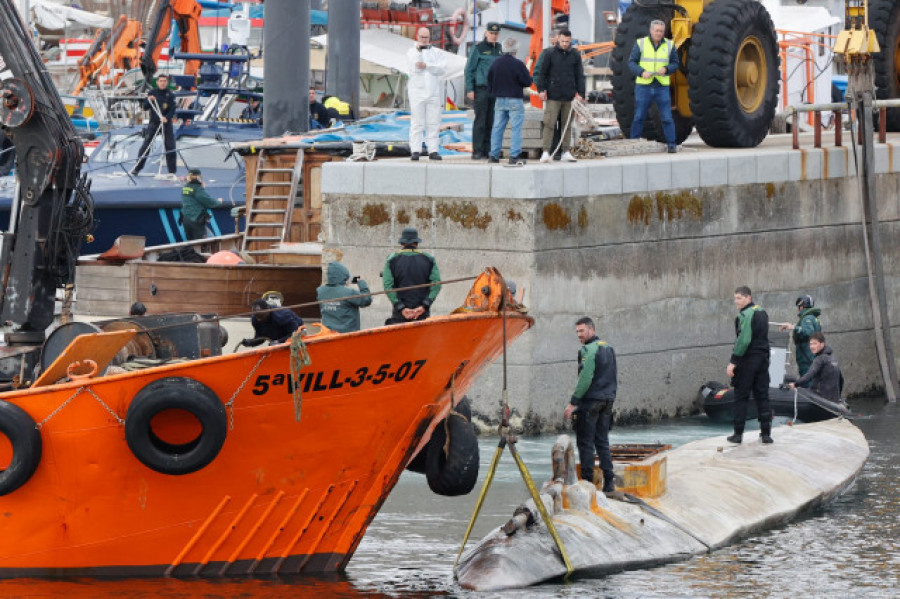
{"type": "Point", "coordinates": [652, 59]}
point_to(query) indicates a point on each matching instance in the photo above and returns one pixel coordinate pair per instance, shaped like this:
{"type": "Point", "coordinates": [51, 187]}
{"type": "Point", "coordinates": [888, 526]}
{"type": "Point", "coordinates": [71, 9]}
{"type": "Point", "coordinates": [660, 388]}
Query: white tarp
{"type": "Point", "coordinates": [56, 17]}
{"type": "Point", "coordinates": [388, 50]}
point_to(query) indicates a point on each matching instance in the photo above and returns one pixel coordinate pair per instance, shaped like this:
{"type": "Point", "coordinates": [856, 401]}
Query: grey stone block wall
{"type": "Point", "coordinates": [650, 246]}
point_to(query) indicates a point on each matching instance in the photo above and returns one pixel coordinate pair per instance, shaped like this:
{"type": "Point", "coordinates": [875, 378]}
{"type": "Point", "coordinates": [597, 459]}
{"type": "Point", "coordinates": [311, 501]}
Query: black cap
{"type": "Point", "coordinates": [409, 236]}
{"type": "Point", "coordinates": [195, 171]}
{"type": "Point", "coordinates": [493, 27]}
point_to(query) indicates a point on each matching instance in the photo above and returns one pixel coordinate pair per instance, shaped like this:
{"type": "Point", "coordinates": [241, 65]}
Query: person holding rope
{"type": "Point", "coordinates": [161, 104]}
{"type": "Point", "coordinates": [824, 375]}
{"type": "Point", "coordinates": [276, 324]}
{"type": "Point", "coordinates": [406, 268]}
{"type": "Point", "coordinates": [652, 61]}
{"type": "Point", "coordinates": [559, 81]}
{"type": "Point", "coordinates": [340, 312]}
{"type": "Point", "coordinates": [591, 404]}
{"type": "Point", "coordinates": [195, 202]}
{"type": "Point", "coordinates": [807, 324]}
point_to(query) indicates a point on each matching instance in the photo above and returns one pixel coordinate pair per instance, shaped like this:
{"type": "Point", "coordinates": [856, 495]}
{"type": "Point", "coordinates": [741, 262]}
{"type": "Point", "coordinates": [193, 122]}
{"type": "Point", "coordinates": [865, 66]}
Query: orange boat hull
{"type": "Point", "coordinates": [280, 497]}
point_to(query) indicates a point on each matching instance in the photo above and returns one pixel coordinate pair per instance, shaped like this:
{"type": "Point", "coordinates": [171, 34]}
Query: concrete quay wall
{"type": "Point", "coordinates": [651, 247]}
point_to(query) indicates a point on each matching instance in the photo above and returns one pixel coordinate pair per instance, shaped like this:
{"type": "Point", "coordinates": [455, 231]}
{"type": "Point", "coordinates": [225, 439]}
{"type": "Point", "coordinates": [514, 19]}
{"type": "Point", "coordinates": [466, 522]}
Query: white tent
{"type": "Point", "coordinates": [56, 17]}
{"type": "Point", "coordinates": [388, 50]}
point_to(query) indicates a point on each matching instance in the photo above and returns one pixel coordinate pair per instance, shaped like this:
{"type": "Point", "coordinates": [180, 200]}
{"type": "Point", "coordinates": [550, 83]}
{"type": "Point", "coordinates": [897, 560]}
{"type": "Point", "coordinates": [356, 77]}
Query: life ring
{"type": "Point", "coordinates": [451, 468]}
{"type": "Point", "coordinates": [25, 439]}
{"type": "Point", "coordinates": [461, 26]}
{"type": "Point", "coordinates": [175, 393]}
{"type": "Point", "coordinates": [418, 463]}
{"type": "Point", "coordinates": [526, 10]}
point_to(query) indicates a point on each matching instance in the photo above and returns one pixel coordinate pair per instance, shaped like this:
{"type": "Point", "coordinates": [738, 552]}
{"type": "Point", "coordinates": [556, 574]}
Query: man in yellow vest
{"type": "Point", "coordinates": [653, 60]}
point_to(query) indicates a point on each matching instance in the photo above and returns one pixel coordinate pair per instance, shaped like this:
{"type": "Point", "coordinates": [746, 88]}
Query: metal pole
{"type": "Point", "coordinates": [881, 319]}
{"type": "Point", "coordinates": [342, 66]}
{"type": "Point", "coordinates": [286, 48]}
{"type": "Point", "coordinates": [546, 11]}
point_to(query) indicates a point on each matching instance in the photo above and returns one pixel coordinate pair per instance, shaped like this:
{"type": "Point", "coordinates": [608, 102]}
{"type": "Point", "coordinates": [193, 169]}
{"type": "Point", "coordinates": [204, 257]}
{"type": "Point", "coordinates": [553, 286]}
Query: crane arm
{"type": "Point", "coordinates": [54, 208]}
{"type": "Point", "coordinates": [186, 14]}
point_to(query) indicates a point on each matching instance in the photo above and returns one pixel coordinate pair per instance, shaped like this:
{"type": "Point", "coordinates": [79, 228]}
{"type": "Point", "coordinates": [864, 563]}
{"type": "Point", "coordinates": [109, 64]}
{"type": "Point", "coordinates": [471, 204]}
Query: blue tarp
{"type": "Point", "coordinates": [316, 17]}
{"type": "Point", "coordinates": [391, 128]}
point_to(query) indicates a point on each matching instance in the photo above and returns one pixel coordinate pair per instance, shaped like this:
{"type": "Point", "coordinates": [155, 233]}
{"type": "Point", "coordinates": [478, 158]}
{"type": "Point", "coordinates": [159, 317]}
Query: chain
{"type": "Point", "coordinates": [230, 404]}
{"type": "Point", "coordinates": [41, 424]}
{"type": "Point", "coordinates": [81, 390]}
{"type": "Point", "coordinates": [108, 409]}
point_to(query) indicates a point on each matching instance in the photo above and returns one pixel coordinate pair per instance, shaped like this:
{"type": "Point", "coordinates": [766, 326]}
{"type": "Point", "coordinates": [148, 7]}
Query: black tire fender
{"type": "Point", "coordinates": [418, 463]}
{"type": "Point", "coordinates": [182, 394]}
{"type": "Point", "coordinates": [884, 20]}
{"type": "Point", "coordinates": [455, 471]}
{"type": "Point", "coordinates": [25, 439]}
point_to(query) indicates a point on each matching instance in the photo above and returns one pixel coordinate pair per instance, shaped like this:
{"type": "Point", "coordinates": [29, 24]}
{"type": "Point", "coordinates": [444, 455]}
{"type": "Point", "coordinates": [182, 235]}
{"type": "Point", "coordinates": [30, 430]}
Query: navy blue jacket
{"type": "Point", "coordinates": [507, 77]}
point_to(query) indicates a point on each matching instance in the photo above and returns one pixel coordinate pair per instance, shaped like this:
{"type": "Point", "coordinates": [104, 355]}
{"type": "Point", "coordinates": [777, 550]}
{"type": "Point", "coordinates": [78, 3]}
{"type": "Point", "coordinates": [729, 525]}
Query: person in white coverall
{"type": "Point", "coordinates": [426, 64]}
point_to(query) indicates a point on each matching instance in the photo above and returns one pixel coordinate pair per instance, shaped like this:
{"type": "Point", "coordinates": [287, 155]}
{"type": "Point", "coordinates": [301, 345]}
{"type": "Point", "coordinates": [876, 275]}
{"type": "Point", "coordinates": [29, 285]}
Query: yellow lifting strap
{"type": "Point", "coordinates": [509, 439]}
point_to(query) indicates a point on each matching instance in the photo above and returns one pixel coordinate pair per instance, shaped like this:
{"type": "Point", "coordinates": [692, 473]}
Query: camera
{"type": "Point", "coordinates": [355, 279]}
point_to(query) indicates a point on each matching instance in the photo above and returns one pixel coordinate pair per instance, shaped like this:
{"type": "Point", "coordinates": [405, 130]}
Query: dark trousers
{"type": "Point", "coordinates": [592, 422]}
{"type": "Point", "coordinates": [752, 374]}
{"type": "Point", "coordinates": [194, 230]}
{"type": "Point", "coordinates": [168, 144]}
{"type": "Point", "coordinates": [484, 122]}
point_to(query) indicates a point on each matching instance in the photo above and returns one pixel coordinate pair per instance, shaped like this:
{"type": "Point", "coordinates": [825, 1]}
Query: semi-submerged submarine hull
{"type": "Point", "coordinates": [713, 494]}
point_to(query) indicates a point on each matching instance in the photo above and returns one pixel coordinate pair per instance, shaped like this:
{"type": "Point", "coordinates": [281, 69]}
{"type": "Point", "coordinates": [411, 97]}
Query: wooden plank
{"type": "Point", "coordinates": [99, 347]}
{"type": "Point", "coordinates": [102, 308]}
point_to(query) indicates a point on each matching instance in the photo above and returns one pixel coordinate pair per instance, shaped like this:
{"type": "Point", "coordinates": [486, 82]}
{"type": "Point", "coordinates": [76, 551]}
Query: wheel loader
{"type": "Point", "coordinates": [727, 85]}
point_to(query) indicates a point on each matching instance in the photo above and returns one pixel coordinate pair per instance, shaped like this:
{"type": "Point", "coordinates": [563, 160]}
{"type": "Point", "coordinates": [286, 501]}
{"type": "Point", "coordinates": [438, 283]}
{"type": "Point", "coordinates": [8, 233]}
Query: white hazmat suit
{"type": "Point", "coordinates": [426, 98]}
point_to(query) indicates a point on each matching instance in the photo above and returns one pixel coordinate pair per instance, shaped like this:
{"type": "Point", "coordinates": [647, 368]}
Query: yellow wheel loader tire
{"type": "Point", "coordinates": [884, 19]}
{"type": "Point", "coordinates": [636, 24]}
{"type": "Point", "coordinates": [733, 74]}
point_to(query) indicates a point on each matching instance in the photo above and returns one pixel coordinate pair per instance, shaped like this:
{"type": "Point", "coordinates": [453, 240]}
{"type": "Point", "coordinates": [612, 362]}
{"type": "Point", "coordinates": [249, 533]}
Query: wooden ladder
{"type": "Point", "coordinates": [271, 203]}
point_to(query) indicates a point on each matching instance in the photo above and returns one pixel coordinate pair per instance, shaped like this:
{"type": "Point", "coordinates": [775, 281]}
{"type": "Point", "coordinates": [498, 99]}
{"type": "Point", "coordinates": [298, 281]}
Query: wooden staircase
{"type": "Point", "coordinates": [271, 203]}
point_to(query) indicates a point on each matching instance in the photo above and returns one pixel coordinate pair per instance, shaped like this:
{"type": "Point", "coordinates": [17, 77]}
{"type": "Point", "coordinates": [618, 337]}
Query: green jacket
{"type": "Point", "coordinates": [410, 267]}
{"type": "Point", "coordinates": [341, 315]}
{"type": "Point", "coordinates": [807, 324]}
{"type": "Point", "coordinates": [481, 56]}
{"type": "Point", "coordinates": [597, 373]}
{"type": "Point", "coordinates": [195, 201]}
{"type": "Point", "coordinates": [752, 329]}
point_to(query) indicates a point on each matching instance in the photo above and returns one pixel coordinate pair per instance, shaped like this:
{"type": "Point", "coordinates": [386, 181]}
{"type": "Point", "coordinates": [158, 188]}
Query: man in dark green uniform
{"type": "Point", "coordinates": [194, 202]}
{"type": "Point", "coordinates": [482, 55]}
{"type": "Point", "coordinates": [407, 268]}
{"type": "Point", "coordinates": [807, 324]}
{"type": "Point", "coordinates": [341, 315]}
{"type": "Point", "coordinates": [749, 365]}
{"type": "Point", "coordinates": [592, 401]}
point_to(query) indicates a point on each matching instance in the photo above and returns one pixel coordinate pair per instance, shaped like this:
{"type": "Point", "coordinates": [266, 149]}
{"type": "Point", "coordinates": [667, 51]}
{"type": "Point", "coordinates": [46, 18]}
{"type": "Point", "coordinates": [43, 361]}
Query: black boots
{"type": "Point", "coordinates": [737, 437]}
{"type": "Point", "coordinates": [765, 432]}
{"type": "Point", "coordinates": [609, 485]}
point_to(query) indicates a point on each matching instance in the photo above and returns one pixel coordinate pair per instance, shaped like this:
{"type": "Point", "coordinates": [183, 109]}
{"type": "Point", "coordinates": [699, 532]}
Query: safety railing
{"type": "Point", "coordinates": [837, 109]}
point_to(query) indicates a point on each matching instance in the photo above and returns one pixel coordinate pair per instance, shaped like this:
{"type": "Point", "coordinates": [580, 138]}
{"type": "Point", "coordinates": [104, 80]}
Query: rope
{"type": "Point", "coordinates": [299, 359]}
{"type": "Point", "coordinates": [319, 302]}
